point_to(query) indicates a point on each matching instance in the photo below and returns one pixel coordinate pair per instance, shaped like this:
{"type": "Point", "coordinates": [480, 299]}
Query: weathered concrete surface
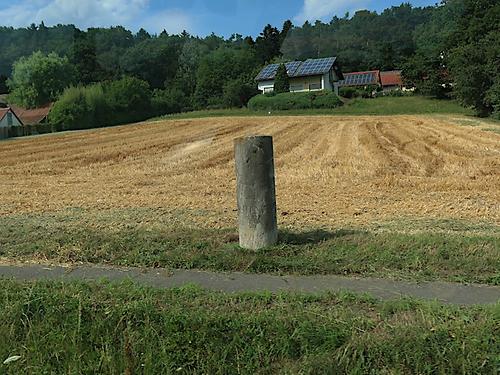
{"type": "Point", "coordinates": [448, 293]}
{"type": "Point", "coordinates": [256, 192]}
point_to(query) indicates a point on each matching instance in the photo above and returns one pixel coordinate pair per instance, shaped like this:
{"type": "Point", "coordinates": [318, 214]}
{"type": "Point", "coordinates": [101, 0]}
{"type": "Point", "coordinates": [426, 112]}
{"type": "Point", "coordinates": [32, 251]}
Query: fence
{"type": "Point", "coordinates": [22, 131]}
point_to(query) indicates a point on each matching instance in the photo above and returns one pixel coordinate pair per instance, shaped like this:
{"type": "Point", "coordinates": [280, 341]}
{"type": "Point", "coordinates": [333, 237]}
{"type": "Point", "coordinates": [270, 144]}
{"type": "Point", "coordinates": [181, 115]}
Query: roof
{"type": "Point", "coordinates": [371, 77]}
{"type": "Point", "coordinates": [392, 78]}
{"type": "Point", "coordinates": [32, 116]}
{"type": "Point", "coordinates": [4, 111]}
{"type": "Point", "coordinates": [310, 67]}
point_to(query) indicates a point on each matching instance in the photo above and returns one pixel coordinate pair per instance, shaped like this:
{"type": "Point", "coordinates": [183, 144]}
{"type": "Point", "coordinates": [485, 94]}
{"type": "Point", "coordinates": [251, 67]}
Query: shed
{"type": "Point", "coordinates": [361, 79]}
{"type": "Point", "coordinates": [33, 116]}
{"type": "Point", "coordinates": [8, 120]}
{"type": "Point", "coordinates": [391, 80]}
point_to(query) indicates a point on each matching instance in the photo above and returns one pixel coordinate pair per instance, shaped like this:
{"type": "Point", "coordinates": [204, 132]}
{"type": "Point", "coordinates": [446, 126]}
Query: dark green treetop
{"type": "Point", "coordinates": [282, 81]}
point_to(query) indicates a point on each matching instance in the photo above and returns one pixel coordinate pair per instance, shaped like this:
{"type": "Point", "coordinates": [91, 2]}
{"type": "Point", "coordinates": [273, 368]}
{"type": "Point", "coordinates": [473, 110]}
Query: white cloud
{"type": "Point", "coordinates": [322, 9]}
{"type": "Point", "coordinates": [173, 21]}
{"type": "Point", "coordinates": [92, 13]}
{"type": "Point", "coordinates": [87, 13]}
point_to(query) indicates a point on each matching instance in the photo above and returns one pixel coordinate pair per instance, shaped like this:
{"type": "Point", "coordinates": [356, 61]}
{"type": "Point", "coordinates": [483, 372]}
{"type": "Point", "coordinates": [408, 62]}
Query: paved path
{"type": "Point", "coordinates": [238, 282]}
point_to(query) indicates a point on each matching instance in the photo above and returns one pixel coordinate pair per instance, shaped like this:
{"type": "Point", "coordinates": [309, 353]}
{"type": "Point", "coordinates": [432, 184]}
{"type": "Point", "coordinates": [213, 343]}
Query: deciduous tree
{"type": "Point", "coordinates": [39, 79]}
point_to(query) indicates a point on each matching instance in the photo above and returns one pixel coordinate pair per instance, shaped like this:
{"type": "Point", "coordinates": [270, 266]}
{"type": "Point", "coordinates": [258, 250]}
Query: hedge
{"type": "Point", "coordinates": [296, 100]}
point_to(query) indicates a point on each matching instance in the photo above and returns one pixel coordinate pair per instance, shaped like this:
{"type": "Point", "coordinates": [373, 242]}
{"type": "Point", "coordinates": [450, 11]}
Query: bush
{"type": "Point", "coordinates": [169, 101]}
{"type": "Point", "coordinates": [394, 93]}
{"type": "Point", "coordinates": [348, 92]}
{"type": "Point", "coordinates": [359, 92]}
{"type": "Point", "coordinates": [71, 111]}
{"type": "Point", "coordinates": [128, 99]}
{"type": "Point", "coordinates": [237, 93]}
{"type": "Point", "coordinates": [288, 101]}
{"type": "Point", "coordinates": [118, 102]}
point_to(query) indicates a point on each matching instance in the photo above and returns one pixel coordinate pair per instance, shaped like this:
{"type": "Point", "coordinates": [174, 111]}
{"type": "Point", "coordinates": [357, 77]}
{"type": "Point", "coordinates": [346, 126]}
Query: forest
{"type": "Point", "coordinates": [448, 50]}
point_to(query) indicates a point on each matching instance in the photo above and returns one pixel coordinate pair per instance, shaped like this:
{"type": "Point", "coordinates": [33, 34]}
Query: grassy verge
{"type": "Point", "coordinates": [125, 329]}
{"type": "Point", "coordinates": [412, 105]}
{"type": "Point", "coordinates": [137, 238]}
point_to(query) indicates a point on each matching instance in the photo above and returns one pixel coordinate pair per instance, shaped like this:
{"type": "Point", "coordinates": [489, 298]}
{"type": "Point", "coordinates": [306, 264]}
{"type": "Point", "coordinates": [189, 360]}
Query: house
{"type": "Point", "coordinates": [8, 120]}
{"type": "Point", "coordinates": [361, 79]}
{"type": "Point", "coordinates": [309, 75]}
{"type": "Point", "coordinates": [33, 116]}
{"type": "Point", "coordinates": [391, 80]}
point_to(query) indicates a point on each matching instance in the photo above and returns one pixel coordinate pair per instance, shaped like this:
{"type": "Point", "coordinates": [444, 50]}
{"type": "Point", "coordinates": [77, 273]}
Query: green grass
{"type": "Point", "coordinates": [487, 124]}
{"type": "Point", "coordinates": [411, 105]}
{"type": "Point", "coordinates": [152, 238]}
{"type": "Point", "coordinates": [101, 328]}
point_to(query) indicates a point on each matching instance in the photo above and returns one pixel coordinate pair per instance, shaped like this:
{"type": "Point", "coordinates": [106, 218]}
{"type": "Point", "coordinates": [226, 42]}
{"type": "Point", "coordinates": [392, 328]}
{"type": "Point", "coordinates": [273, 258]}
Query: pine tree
{"type": "Point", "coordinates": [281, 82]}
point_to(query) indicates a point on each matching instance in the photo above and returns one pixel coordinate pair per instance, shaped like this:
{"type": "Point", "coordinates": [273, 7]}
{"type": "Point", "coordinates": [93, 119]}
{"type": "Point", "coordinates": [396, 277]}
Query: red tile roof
{"type": "Point", "coordinates": [3, 112]}
{"type": "Point", "coordinates": [392, 78]}
{"type": "Point", "coordinates": [32, 116]}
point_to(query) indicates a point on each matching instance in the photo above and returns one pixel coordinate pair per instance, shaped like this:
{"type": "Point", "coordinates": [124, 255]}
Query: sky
{"type": "Point", "coordinates": [198, 17]}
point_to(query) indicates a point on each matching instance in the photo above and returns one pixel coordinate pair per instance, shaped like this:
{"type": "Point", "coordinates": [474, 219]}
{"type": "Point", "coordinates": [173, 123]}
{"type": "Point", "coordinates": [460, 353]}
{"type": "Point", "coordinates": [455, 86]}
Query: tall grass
{"type": "Point", "coordinates": [123, 329]}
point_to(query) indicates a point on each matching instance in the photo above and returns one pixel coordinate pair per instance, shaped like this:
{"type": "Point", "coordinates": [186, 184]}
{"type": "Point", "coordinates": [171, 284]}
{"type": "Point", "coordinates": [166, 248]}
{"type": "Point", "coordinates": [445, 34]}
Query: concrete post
{"type": "Point", "coordinates": [256, 192]}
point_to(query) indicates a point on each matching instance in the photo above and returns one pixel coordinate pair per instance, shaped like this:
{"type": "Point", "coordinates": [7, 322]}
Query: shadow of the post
{"type": "Point", "coordinates": [287, 237]}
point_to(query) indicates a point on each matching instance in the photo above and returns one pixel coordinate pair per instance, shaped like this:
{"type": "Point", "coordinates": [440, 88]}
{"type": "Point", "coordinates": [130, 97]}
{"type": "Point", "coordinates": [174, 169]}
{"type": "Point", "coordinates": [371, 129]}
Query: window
{"type": "Point", "coordinates": [315, 86]}
{"type": "Point", "coordinates": [9, 119]}
{"type": "Point", "coordinates": [297, 87]}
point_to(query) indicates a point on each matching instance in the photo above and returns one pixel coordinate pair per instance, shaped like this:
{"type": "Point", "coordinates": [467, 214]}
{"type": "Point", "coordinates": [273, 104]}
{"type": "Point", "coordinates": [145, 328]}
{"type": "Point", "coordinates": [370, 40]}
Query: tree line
{"type": "Point", "coordinates": [450, 49]}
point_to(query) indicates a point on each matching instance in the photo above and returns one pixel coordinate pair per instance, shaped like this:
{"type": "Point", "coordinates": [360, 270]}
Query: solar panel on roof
{"type": "Point", "coordinates": [298, 68]}
{"type": "Point", "coordinates": [269, 72]}
{"type": "Point", "coordinates": [292, 67]}
{"type": "Point", "coordinates": [315, 67]}
{"type": "Point", "coordinates": [360, 79]}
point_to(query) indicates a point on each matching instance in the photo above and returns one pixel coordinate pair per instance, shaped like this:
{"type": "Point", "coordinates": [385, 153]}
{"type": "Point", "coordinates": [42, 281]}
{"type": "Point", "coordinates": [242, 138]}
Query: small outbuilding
{"type": "Point", "coordinates": [391, 80]}
{"type": "Point", "coordinates": [361, 79]}
{"type": "Point", "coordinates": [309, 75]}
{"type": "Point", "coordinates": [8, 119]}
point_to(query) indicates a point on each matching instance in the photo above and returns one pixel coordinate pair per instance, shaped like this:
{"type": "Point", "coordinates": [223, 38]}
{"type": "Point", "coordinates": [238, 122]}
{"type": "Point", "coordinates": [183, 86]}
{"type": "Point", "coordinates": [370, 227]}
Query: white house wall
{"type": "Point", "coordinates": [326, 82]}
{"type": "Point", "coordinates": [266, 86]}
{"type": "Point", "coordinates": [302, 84]}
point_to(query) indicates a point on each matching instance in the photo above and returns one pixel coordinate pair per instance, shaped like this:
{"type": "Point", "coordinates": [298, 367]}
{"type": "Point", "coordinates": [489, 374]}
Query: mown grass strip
{"type": "Point", "coordinates": [125, 329]}
{"type": "Point", "coordinates": [82, 238]}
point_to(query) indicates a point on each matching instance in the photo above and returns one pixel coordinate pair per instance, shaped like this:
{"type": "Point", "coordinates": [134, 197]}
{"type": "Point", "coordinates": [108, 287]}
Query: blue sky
{"type": "Point", "coordinates": [200, 17]}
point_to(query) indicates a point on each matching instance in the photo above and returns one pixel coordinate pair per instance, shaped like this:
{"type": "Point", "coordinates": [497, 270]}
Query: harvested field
{"type": "Point", "coordinates": [331, 171]}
